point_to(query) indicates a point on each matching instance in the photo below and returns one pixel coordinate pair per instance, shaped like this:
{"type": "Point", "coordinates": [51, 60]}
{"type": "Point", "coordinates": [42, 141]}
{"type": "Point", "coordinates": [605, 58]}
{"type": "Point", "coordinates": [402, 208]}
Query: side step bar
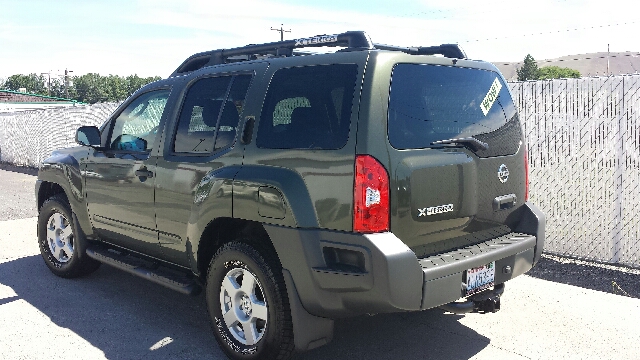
{"type": "Point", "coordinates": [136, 266]}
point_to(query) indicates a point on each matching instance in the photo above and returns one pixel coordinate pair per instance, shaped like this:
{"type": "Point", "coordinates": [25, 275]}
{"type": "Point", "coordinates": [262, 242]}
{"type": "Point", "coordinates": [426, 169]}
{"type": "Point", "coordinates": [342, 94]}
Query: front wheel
{"type": "Point", "coordinates": [248, 304]}
{"type": "Point", "coordinates": [57, 238]}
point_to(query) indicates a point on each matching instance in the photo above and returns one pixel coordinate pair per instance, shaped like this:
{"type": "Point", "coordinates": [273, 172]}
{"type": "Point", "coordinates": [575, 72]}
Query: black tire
{"type": "Point", "coordinates": [57, 240]}
{"type": "Point", "coordinates": [273, 336]}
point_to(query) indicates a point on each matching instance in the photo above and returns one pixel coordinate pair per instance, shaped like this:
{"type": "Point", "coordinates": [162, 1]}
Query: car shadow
{"type": "Point", "coordinates": [601, 277]}
{"type": "Point", "coordinates": [125, 317]}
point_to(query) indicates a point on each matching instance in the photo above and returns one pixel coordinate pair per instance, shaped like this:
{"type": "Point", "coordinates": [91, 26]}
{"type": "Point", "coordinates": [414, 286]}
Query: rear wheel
{"type": "Point", "coordinates": [248, 304]}
{"type": "Point", "coordinates": [57, 238]}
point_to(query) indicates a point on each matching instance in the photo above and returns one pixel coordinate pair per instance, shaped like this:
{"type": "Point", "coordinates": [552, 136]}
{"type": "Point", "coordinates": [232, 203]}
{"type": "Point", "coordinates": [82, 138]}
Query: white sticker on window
{"type": "Point", "coordinates": [491, 96]}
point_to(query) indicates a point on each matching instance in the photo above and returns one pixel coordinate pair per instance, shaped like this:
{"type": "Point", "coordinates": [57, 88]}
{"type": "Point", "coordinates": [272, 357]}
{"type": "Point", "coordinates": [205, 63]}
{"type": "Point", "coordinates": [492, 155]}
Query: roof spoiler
{"type": "Point", "coordinates": [453, 51]}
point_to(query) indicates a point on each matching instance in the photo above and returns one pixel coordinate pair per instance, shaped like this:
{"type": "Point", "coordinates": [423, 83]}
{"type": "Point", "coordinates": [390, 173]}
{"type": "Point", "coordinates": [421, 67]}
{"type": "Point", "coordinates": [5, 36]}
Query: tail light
{"type": "Point", "coordinates": [526, 175]}
{"type": "Point", "coordinates": [370, 196]}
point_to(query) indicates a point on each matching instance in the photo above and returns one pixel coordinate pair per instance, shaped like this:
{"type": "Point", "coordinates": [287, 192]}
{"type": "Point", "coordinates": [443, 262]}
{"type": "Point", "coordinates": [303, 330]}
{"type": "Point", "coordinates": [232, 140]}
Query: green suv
{"type": "Point", "coordinates": [295, 188]}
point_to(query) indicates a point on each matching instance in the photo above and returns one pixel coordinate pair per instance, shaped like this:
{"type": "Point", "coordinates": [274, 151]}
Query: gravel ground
{"type": "Point", "coordinates": [17, 197]}
{"type": "Point", "coordinates": [589, 275]}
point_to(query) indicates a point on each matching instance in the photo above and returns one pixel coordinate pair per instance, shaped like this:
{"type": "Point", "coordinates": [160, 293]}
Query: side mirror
{"type": "Point", "coordinates": [88, 136]}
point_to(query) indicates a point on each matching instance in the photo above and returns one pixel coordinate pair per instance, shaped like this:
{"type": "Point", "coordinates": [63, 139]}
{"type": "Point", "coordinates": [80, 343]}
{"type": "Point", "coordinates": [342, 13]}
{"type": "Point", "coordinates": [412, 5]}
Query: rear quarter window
{"type": "Point", "coordinates": [428, 103]}
{"type": "Point", "coordinates": [308, 108]}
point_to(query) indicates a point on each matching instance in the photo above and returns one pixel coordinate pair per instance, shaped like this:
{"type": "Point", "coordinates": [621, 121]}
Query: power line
{"type": "Point", "coordinates": [630, 54]}
{"type": "Point", "coordinates": [457, 9]}
{"type": "Point", "coordinates": [552, 32]}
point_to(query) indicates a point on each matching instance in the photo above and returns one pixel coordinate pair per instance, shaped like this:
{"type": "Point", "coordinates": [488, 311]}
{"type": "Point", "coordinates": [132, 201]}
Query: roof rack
{"type": "Point", "coordinates": [350, 40]}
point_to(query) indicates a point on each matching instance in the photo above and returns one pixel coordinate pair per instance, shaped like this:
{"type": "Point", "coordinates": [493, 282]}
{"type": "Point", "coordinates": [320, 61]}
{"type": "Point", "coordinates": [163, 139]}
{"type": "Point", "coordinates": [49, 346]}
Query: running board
{"type": "Point", "coordinates": [136, 266]}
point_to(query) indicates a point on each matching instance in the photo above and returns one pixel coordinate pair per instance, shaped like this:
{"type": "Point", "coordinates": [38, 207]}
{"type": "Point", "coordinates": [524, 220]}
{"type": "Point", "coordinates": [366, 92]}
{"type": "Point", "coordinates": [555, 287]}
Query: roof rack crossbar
{"type": "Point", "coordinates": [453, 51]}
{"type": "Point", "coordinates": [349, 39]}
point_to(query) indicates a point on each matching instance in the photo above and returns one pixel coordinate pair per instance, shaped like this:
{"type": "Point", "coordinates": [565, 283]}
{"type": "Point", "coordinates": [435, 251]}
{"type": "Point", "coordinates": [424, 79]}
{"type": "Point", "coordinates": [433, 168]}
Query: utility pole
{"type": "Point", "coordinates": [66, 82]}
{"type": "Point", "coordinates": [281, 31]}
{"type": "Point", "coordinates": [607, 59]}
{"type": "Point", "coordinates": [48, 82]}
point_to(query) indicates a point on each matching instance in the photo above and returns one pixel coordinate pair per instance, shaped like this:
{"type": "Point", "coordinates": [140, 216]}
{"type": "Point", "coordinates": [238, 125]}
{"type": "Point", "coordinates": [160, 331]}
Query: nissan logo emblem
{"type": "Point", "coordinates": [503, 173]}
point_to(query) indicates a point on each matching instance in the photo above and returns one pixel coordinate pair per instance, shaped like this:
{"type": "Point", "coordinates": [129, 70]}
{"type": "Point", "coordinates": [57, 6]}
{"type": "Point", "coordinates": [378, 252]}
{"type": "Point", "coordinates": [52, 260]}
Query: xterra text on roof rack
{"type": "Point", "coordinates": [296, 189]}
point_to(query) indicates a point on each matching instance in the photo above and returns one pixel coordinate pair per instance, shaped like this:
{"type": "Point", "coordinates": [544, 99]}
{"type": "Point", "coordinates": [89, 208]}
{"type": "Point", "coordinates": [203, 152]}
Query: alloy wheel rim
{"type": "Point", "coordinates": [60, 237]}
{"type": "Point", "coordinates": [243, 305]}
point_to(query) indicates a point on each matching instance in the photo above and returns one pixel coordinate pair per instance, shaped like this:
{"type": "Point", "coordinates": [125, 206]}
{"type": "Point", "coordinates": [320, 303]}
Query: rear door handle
{"type": "Point", "coordinates": [143, 172]}
{"type": "Point", "coordinates": [504, 202]}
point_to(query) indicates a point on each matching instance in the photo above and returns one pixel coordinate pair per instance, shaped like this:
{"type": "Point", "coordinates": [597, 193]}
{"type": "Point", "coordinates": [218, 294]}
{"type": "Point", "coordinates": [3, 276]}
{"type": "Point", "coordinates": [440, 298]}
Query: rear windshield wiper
{"type": "Point", "coordinates": [471, 142]}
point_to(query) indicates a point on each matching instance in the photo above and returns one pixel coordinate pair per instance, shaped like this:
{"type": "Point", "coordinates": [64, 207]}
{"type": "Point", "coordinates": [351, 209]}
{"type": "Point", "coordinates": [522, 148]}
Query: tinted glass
{"type": "Point", "coordinates": [210, 114]}
{"type": "Point", "coordinates": [228, 126]}
{"type": "Point", "coordinates": [430, 103]}
{"type": "Point", "coordinates": [136, 127]}
{"type": "Point", "coordinates": [308, 108]}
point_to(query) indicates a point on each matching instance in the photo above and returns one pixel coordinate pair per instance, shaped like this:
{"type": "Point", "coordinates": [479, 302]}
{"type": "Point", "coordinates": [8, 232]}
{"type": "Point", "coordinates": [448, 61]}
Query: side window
{"type": "Point", "coordinates": [308, 108]}
{"type": "Point", "coordinates": [136, 127]}
{"type": "Point", "coordinates": [230, 117]}
{"type": "Point", "coordinates": [210, 114]}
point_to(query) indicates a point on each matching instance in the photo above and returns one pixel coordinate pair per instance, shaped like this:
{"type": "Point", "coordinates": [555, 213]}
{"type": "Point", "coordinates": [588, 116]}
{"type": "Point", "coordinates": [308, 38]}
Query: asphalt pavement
{"type": "Point", "coordinates": [565, 309]}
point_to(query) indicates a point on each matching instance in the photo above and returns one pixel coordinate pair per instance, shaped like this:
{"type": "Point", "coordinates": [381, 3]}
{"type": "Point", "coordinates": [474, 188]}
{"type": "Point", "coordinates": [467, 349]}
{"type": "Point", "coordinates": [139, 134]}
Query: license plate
{"type": "Point", "coordinates": [480, 278]}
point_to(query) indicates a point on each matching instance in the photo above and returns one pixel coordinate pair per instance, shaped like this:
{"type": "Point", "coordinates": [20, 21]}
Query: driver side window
{"type": "Point", "coordinates": [136, 127]}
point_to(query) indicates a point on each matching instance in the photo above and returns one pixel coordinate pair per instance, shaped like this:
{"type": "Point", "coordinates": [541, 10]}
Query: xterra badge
{"type": "Point", "coordinates": [435, 210]}
{"type": "Point", "coordinates": [322, 39]}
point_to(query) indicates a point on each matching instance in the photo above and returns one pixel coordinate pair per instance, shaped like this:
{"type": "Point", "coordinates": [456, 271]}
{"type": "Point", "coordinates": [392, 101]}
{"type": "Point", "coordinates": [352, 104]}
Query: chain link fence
{"type": "Point", "coordinates": [583, 140]}
{"type": "Point", "coordinates": [29, 137]}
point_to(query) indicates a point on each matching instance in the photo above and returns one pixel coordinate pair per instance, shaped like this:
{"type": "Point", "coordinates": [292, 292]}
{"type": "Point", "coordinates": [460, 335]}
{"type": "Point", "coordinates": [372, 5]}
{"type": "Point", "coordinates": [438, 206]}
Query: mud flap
{"type": "Point", "coordinates": [309, 331]}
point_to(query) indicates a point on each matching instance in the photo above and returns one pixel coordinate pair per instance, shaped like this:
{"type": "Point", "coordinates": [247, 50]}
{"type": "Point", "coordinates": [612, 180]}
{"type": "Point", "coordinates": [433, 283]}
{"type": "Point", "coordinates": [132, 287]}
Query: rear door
{"type": "Point", "coordinates": [457, 160]}
{"type": "Point", "coordinates": [201, 149]}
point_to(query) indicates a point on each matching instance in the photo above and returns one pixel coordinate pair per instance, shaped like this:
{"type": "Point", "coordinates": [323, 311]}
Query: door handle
{"type": "Point", "coordinates": [143, 172]}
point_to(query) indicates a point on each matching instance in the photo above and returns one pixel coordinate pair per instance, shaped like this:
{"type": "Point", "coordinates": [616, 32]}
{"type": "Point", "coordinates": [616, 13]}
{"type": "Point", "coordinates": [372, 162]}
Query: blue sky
{"type": "Point", "coordinates": [152, 37]}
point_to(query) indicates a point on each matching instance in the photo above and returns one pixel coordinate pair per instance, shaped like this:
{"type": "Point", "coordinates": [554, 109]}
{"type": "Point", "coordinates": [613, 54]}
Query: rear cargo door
{"type": "Point", "coordinates": [456, 153]}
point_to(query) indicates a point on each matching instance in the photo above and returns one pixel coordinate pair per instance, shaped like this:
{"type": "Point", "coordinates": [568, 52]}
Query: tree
{"type": "Point", "coordinates": [94, 88]}
{"type": "Point", "coordinates": [529, 70]}
{"type": "Point", "coordinates": [57, 88]}
{"type": "Point", "coordinates": [134, 82]}
{"type": "Point", "coordinates": [556, 72]}
{"type": "Point", "coordinates": [91, 88]}
{"type": "Point", "coordinates": [32, 82]}
{"type": "Point", "coordinates": [116, 88]}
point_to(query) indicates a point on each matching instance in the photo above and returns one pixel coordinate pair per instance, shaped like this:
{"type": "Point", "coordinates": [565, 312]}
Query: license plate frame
{"type": "Point", "coordinates": [479, 278]}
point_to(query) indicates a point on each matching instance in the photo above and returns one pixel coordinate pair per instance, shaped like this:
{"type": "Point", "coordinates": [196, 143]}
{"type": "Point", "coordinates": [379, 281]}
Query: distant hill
{"type": "Point", "coordinates": [593, 64]}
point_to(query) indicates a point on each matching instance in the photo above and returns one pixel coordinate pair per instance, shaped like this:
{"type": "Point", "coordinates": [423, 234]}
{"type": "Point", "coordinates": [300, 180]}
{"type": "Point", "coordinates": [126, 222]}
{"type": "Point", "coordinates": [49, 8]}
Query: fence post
{"type": "Point", "coordinates": [619, 173]}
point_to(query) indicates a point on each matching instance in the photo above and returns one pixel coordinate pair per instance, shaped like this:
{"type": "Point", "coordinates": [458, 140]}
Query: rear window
{"type": "Point", "coordinates": [428, 103]}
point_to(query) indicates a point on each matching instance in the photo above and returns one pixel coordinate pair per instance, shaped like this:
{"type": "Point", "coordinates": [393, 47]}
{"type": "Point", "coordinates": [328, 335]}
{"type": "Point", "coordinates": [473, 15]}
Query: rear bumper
{"type": "Point", "coordinates": [443, 273]}
{"type": "Point", "coordinates": [388, 276]}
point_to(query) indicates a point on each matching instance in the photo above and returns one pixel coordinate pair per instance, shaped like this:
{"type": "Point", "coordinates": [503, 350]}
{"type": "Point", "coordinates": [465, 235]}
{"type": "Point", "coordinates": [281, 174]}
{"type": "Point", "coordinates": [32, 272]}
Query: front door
{"type": "Point", "coordinates": [120, 176]}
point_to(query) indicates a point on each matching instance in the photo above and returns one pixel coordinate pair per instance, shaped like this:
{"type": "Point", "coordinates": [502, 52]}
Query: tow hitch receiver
{"type": "Point", "coordinates": [485, 302]}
